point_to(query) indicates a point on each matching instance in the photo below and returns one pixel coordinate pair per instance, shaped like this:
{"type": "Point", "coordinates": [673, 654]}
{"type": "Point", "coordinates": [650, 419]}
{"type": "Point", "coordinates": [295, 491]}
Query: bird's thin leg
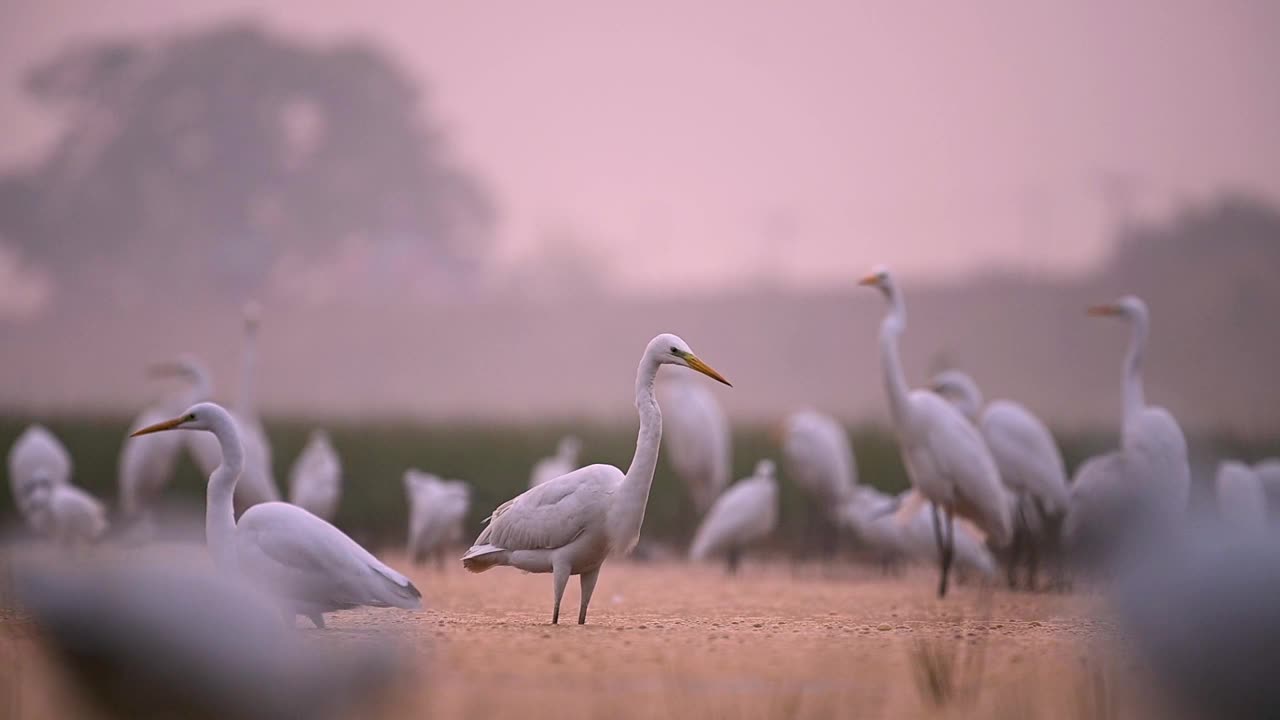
{"type": "Point", "coordinates": [440, 559]}
{"type": "Point", "coordinates": [1015, 554]}
{"type": "Point", "coordinates": [588, 580]}
{"type": "Point", "coordinates": [560, 572]}
{"type": "Point", "coordinates": [1033, 563]}
{"type": "Point", "coordinates": [950, 551]}
{"type": "Point", "coordinates": [317, 619]}
{"type": "Point", "coordinates": [942, 552]}
{"type": "Point", "coordinates": [733, 559]}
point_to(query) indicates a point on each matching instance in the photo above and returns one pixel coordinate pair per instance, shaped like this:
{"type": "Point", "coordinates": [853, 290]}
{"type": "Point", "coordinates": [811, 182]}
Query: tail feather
{"type": "Point", "coordinates": [482, 557]}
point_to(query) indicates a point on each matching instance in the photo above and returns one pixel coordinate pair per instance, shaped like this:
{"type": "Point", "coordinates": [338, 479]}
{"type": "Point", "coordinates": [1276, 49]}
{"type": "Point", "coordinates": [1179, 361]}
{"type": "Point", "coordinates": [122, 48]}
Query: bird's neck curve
{"type": "Point", "coordinates": [895, 380]}
{"type": "Point", "coordinates": [1134, 395]}
{"type": "Point", "coordinates": [626, 515]}
{"type": "Point", "coordinates": [200, 389]}
{"type": "Point", "coordinates": [219, 518]}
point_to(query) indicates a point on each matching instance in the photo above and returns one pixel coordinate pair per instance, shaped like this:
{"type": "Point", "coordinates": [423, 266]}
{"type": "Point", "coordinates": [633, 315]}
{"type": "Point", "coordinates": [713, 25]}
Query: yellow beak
{"type": "Point", "coordinates": [871, 280]}
{"type": "Point", "coordinates": [166, 425]}
{"type": "Point", "coordinates": [1103, 310]}
{"type": "Point", "coordinates": [705, 369]}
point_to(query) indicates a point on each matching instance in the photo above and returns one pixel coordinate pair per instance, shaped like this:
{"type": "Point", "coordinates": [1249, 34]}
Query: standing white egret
{"type": "Point", "coordinates": [699, 444]}
{"type": "Point", "coordinates": [311, 566]}
{"type": "Point", "coordinates": [36, 459]}
{"type": "Point", "coordinates": [819, 459]}
{"type": "Point", "coordinates": [745, 512]}
{"type": "Point", "coordinates": [147, 467]}
{"type": "Point", "coordinates": [315, 480]}
{"type": "Point", "coordinates": [563, 462]}
{"type": "Point", "coordinates": [901, 528]}
{"type": "Point", "coordinates": [570, 525]}
{"type": "Point", "coordinates": [258, 483]}
{"type": "Point", "coordinates": [945, 456]}
{"type": "Point", "coordinates": [1027, 457]}
{"type": "Point", "coordinates": [1242, 503]}
{"type": "Point", "coordinates": [1148, 480]}
{"type": "Point", "coordinates": [437, 509]}
{"type": "Point", "coordinates": [66, 513]}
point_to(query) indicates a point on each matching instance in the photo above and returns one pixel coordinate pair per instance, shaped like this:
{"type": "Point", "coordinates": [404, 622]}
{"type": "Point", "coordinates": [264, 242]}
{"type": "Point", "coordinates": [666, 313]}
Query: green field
{"type": "Point", "coordinates": [496, 461]}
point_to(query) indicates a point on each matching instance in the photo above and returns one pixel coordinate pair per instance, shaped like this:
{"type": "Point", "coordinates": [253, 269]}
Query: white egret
{"type": "Point", "coordinates": [872, 516]}
{"type": "Point", "coordinates": [1027, 457]}
{"type": "Point", "coordinates": [901, 528]}
{"type": "Point", "coordinates": [563, 462]}
{"type": "Point", "coordinates": [146, 467]}
{"type": "Point", "coordinates": [258, 482]}
{"type": "Point", "coordinates": [745, 512]}
{"type": "Point", "coordinates": [1242, 503]}
{"type": "Point", "coordinates": [699, 444]}
{"type": "Point", "coordinates": [36, 459]}
{"type": "Point", "coordinates": [311, 566]}
{"type": "Point", "coordinates": [68, 514]}
{"type": "Point", "coordinates": [1148, 480]}
{"type": "Point", "coordinates": [570, 525]}
{"type": "Point", "coordinates": [315, 480]}
{"type": "Point", "coordinates": [945, 456]}
{"type": "Point", "coordinates": [437, 509]}
{"type": "Point", "coordinates": [819, 460]}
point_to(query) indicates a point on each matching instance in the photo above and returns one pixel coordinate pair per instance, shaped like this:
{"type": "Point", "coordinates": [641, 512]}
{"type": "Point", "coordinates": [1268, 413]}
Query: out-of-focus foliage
{"type": "Point", "coordinates": [201, 161]}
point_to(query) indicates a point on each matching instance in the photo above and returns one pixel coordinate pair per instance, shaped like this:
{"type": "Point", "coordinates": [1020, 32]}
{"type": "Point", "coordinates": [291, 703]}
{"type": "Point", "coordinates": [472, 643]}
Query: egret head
{"type": "Point", "coordinates": [879, 278]}
{"type": "Point", "coordinates": [1128, 307]}
{"type": "Point", "coordinates": [765, 468]}
{"type": "Point", "coordinates": [958, 388]}
{"type": "Point", "coordinates": [668, 349]}
{"type": "Point", "coordinates": [569, 446]}
{"type": "Point", "coordinates": [186, 367]}
{"type": "Point", "coordinates": [201, 416]}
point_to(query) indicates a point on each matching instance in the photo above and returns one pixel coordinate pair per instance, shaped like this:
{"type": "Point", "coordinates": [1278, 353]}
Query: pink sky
{"type": "Point", "coordinates": [679, 138]}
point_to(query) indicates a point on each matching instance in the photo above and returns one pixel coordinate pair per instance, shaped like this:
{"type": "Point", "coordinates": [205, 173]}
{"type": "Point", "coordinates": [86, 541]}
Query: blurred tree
{"type": "Point", "coordinates": [199, 161]}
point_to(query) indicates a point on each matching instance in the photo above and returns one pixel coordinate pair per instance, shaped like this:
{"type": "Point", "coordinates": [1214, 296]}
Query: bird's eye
{"type": "Point", "coordinates": [191, 417]}
{"type": "Point", "coordinates": [674, 350]}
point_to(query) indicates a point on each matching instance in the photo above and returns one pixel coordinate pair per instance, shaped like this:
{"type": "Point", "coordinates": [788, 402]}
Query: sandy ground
{"type": "Point", "coordinates": [672, 640]}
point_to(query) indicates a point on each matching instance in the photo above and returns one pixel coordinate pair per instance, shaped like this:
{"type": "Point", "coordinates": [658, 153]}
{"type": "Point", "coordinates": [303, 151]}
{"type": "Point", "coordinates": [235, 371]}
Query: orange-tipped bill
{"type": "Point", "coordinates": [705, 369]}
{"type": "Point", "coordinates": [870, 280]}
{"type": "Point", "coordinates": [166, 425]}
{"type": "Point", "coordinates": [1104, 310]}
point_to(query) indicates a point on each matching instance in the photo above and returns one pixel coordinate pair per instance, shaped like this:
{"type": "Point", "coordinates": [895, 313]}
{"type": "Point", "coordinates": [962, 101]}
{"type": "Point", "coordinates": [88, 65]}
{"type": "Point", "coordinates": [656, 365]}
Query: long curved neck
{"type": "Point", "coordinates": [219, 517]}
{"type": "Point", "coordinates": [244, 404]}
{"type": "Point", "coordinates": [626, 515]}
{"type": "Point", "coordinates": [200, 389]}
{"type": "Point", "coordinates": [895, 380]}
{"type": "Point", "coordinates": [1134, 397]}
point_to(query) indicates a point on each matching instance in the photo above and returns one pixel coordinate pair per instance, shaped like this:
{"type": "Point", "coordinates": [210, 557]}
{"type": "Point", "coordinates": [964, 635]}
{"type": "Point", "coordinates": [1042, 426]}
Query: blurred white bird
{"type": "Point", "coordinates": [315, 480]}
{"type": "Point", "coordinates": [67, 514]}
{"type": "Point", "coordinates": [699, 443]}
{"type": "Point", "coordinates": [745, 513]}
{"type": "Point", "coordinates": [563, 462]}
{"type": "Point", "coordinates": [1268, 472]}
{"type": "Point", "coordinates": [146, 467]}
{"type": "Point", "coordinates": [570, 525]}
{"type": "Point", "coordinates": [1146, 483]}
{"type": "Point", "coordinates": [258, 482]}
{"type": "Point", "coordinates": [819, 460]}
{"type": "Point", "coordinates": [900, 529]}
{"type": "Point", "coordinates": [1029, 462]}
{"type": "Point", "coordinates": [145, 639]}
{"type": "Point", "coordinates": [36, 459]}
{"type": "Point", "coordinates": [437, 509]}
{"type": "Point", "coordinates": [945, 456]}
{"type": "Point", "coordinates": [1242, 503]}
{"type": "Point", "coordinates": [310, 565]}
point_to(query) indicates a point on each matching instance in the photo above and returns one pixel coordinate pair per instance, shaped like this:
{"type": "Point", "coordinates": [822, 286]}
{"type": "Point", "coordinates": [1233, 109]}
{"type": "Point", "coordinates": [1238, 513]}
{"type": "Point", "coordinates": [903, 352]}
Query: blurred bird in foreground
{"type": "Point", "coordinates": [154, 639]}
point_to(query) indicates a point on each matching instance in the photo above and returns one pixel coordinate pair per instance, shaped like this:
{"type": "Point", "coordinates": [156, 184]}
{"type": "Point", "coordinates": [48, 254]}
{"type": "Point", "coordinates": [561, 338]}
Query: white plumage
{"type": "Point", "coordinates": [1147, 482]}
{"type": "Point", "coordinates": [819, 458]}
{"type": "Point", "coordinates": [36, 459]}
{"type": "Point", "coordinates": [437, 509]}
{"type": "Point", "coordinates": [901, 529]}
{"type": "Point", "coordinates": [699, 443]}
{"type": "Point", "coordinates": [315, 480]}
{"type": "Point", "coordinates": [570, 525]}
{"type": "Point", "coordinates": [310, 566]}
{"type": "Point", "coordinates": [563, 462]}
{"type": "Point", "coordinates": [945, 456]}
{"type": "Point", "coordinates": [744, 513]}
{"type": "Point", "coordinates": [70, 515]}
{"type": "Point", "coordinates": [1242, 503]}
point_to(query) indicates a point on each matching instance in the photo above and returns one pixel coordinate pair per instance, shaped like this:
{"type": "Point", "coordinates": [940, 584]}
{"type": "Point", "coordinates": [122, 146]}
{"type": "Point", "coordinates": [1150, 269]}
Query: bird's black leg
{"type": "Point", "coordinates": [942, 550]}
{"type": "Point", "coordinates": [318, 620]}
{"type": "Point", "coordinates": [733, 559]}
{"type": "Point", "coordinates": [950, 550]}
{"type": "Point", "coordinates": [588, 580]}
{"type": "Point", "coordinates": [560, 573]}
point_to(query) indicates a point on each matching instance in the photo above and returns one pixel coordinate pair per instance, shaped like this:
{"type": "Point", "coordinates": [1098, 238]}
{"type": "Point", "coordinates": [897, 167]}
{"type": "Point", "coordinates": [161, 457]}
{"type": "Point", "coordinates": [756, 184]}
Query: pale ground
{"type": "Point", "coordinates": [671, 640]}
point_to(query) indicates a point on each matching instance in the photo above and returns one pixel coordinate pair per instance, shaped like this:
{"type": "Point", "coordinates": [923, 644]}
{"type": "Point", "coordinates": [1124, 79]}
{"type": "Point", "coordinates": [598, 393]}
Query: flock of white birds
{"type": "Point", "coordinates": [987, 480]}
